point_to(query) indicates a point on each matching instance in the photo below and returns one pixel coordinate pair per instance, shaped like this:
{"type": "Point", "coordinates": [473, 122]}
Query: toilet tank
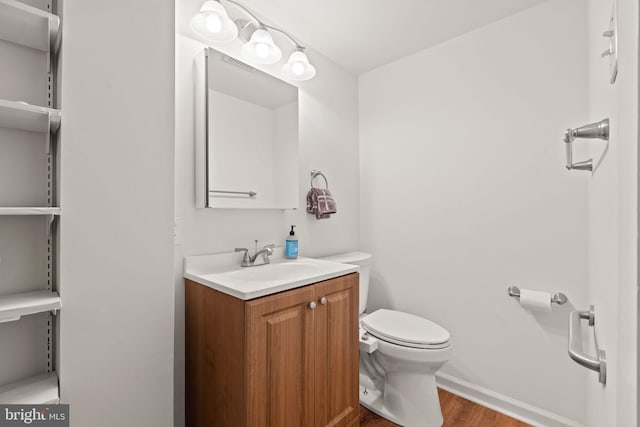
{"type": "Point", "coordinates": [363, 260]}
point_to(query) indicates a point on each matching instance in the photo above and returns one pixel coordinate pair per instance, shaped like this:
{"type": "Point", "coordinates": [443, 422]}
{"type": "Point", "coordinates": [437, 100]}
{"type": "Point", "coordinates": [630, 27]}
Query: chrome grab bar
{"type": "Point", "coordinates": [598, 130]}
{"type": "Point", "coordinates": [598, 363]}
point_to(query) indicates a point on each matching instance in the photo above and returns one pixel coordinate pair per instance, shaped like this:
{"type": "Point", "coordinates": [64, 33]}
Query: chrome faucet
{"type": "Point", "coordinates": [249, 260]}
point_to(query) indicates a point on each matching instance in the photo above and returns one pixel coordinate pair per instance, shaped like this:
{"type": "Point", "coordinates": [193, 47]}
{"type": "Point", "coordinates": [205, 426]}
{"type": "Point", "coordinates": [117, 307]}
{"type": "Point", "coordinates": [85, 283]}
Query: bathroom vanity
{"type": "Point", "coordinates": [288, 358]}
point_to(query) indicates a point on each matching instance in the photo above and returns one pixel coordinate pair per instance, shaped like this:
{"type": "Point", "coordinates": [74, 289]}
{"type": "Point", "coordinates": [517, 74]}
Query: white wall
{"type": "Point", "coordinates": [464, 192]}
{"type": "Point", "coordinates": [328, 132]}
{"type": "Point", "coordinates": [613, 216]}
{"type": "Point", "coordinates": [117, 198]}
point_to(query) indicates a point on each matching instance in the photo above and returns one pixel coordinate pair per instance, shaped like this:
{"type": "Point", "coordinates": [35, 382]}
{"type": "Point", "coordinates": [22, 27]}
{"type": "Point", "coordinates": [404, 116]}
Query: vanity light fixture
{"type": "Point", "coordinates": [213, 24]}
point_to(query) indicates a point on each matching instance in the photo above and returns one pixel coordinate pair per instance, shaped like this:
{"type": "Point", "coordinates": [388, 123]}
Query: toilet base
{"type": "Point", "coordinates": [384, 399]}
{"type": "Point", "coordinates": [373, 400]}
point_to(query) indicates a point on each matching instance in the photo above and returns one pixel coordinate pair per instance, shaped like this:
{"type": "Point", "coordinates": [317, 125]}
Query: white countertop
{"type": "Point", "coordinates": [223, 273]}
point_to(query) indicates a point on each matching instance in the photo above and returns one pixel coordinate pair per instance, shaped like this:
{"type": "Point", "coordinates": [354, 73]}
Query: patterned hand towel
{"type": "Point", "coordinates": [320, 202]}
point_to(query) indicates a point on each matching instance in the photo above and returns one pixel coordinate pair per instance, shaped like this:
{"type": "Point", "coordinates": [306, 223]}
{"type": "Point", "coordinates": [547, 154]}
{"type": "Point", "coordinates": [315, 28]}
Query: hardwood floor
{"type": "Point", "coordinates": [457, 412]}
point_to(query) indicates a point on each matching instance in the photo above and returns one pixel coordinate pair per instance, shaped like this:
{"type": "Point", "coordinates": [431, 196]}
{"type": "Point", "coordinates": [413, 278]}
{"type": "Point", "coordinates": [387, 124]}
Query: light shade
{"type": "Point", "coordinates": [298, 67]}
{"type": "Point", "coordinates": [213, 23]}
{"type": "Point", "coordinates": [261, 49]}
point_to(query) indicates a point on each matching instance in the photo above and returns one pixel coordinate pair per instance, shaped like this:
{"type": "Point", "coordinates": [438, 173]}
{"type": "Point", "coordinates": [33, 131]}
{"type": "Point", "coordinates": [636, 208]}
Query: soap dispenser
{"type": "Point", "coordinates": [291, 245]}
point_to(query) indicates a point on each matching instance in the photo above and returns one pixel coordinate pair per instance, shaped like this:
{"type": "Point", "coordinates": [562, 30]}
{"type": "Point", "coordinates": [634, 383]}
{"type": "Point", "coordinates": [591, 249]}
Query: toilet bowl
{"type": "Point", "coordinates": [400, 354]}
{"type": "Point", "coordinates": [410, 350]}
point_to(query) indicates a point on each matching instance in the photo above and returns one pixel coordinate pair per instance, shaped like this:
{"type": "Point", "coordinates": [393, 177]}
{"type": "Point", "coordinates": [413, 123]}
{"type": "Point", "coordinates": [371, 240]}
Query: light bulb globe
{"type": "Point", "coordinates": [213, 24]}
{"type": "Point", "coordinates": [261, 49]}
{"type": "Point", "coordinates": [298, 67]}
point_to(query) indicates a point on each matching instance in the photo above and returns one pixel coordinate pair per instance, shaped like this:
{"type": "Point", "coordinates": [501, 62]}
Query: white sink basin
{"type": "Point", "coordinates": [279, 270]}
{"type": "Point", "coordinates": [223, 273]}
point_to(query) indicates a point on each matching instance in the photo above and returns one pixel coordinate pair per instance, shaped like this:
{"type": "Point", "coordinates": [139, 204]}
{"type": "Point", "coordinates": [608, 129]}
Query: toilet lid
{"type": "Point", "coordinates": [404, 328]}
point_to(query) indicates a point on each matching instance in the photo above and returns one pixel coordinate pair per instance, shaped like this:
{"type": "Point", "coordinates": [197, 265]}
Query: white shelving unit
{"type": "Point", "coordinates": [38, 32]}
{"type": "Point", "coordinates": [28, 26]}
{"type": "Point", "coordinates": [14, 306]}
{"type": "Point", "coordinates": [28, 211]}
{"type": "Point", "coordinates": [42, 389]}
{"type": "Point", "coordinates": [23, 116]}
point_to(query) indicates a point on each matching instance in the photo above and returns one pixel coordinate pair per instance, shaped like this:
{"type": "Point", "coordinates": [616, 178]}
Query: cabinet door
{"type": "Point", "coordinates": [279, 358]}
{"type": "Point", "coordinates": [336, 352]}
{"type": "Point", "coordinates": [214, 358]}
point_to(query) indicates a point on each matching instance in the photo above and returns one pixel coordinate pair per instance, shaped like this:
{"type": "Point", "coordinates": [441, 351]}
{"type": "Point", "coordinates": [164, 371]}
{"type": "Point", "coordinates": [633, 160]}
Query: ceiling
{"type": "Point", "coordinates": [361, 35]}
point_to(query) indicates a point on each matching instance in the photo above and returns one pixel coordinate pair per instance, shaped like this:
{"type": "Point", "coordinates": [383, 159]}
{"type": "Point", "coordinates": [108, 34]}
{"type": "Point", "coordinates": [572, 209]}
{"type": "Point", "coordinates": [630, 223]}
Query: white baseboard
{"type": "Point", "coordinates": [503, 404]}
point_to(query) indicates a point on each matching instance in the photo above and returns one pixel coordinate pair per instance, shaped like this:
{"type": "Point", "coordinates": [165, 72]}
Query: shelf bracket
{"type": "Point", "coordinates": [53, 30]}
{"type": "Point", "coordinates": [50, 219]}
{"type": "Point", "coordinates": [47, 141]}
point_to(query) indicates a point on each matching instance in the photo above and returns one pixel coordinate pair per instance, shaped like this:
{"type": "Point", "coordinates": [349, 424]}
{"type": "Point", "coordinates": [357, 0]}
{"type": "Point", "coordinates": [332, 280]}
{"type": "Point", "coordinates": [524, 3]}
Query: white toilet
{"type": "Point", "coordinates": [399, 356]}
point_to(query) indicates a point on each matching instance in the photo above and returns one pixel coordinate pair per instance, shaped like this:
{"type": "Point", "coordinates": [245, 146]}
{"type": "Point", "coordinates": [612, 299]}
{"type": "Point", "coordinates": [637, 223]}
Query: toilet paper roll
{"type": "Point", "coordinates": [535, 300]}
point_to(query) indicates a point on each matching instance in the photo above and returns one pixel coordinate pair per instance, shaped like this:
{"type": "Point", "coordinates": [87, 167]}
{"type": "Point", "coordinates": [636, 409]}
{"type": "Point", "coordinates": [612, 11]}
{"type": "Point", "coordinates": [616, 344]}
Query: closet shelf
{"type": "Point", "coordinates": [14, 306]}
{"type": "Point", "coordinates": [23, 116]}
{"type": "Point", "coordinates": [40, 390]}
{"type": "Point", "coordinates": [28, 26]}
{"type": "Point", "coordinates": [29, 211]}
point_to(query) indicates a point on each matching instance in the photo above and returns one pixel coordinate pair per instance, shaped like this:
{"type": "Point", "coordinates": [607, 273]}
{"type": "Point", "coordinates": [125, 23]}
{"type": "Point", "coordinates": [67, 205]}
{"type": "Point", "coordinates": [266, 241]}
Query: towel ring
{"type": "Point", "coordinates": [315, 174]}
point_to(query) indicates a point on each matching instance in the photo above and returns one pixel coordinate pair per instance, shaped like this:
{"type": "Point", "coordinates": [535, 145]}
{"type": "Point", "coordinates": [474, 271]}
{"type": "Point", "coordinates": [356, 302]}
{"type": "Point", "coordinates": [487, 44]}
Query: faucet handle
{"type": "Point", "coordinates": [269, 249]}
{"type": "Point", "coordinates": [245, 257]}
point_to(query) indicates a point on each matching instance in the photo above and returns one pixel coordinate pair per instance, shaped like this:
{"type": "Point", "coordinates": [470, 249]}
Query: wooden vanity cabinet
{"type": "Point", "coordinates": [283, 360]}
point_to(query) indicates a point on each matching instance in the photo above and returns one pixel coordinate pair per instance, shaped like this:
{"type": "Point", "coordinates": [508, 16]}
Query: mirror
{"type": "Point", "coordinates": [246, 136]}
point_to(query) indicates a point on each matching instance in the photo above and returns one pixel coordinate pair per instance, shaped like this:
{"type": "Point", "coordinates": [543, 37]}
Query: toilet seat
{"type": "Point", "coordinates": [405, 329]}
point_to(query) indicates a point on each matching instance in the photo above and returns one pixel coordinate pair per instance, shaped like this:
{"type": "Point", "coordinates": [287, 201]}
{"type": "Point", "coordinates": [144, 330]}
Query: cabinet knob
{"type": "Point", "coordinates": [323, 300]}
{"type": "Point", "coordinates": [312, 305]}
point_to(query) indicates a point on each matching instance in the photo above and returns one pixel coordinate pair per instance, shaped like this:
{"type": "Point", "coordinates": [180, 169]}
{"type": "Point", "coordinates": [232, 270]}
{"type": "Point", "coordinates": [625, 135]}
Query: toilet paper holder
{"type": "Point", "coordinates": [557, 298]}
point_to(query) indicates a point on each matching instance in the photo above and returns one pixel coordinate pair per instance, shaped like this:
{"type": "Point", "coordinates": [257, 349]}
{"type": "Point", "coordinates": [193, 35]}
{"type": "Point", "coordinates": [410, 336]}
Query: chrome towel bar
{"type": "Point", "coordinates": [558, 298]}
{"type": "Point", "coordinates": [248, 193]}
{"type": "Point", "coordinates": [598, 363]}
